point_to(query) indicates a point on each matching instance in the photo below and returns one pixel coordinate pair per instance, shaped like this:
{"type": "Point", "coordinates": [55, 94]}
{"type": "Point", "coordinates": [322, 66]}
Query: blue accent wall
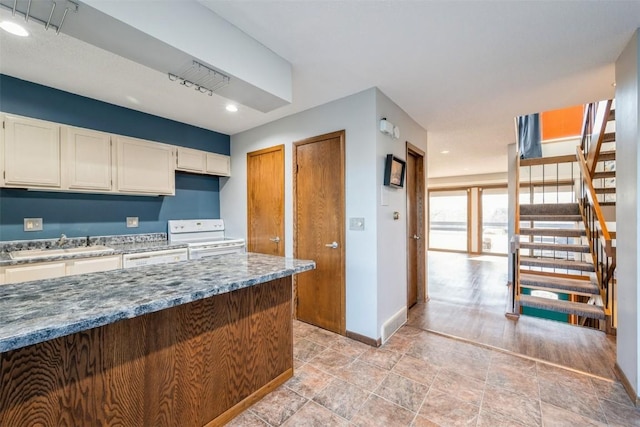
{"type": "Point", "coordinates": [78, 215]}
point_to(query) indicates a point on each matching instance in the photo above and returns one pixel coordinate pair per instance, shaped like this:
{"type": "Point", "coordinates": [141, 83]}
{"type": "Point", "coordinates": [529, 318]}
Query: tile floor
{"type": "Point", "coordinates": [419, 378]}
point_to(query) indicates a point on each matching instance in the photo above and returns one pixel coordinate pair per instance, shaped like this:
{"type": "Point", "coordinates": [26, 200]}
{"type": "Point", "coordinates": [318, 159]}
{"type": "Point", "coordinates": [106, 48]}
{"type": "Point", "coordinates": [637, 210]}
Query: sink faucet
{"type": "Point", "coordinates": [62, 239]}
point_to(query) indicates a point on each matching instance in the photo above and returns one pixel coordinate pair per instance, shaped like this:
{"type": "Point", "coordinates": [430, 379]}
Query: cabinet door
{"type": "Point", "coordinates": [191, 160]}
{"type": "Point", "coordinates": [94, 265]}
{"type": "Point", "coordinates": [145, 167]}
{"type": "Point", "coordinates": [38, 271]}
{"type": "Point", "coordinates": [32, 153]}
{"type": "Point", "coordinates": [218, 164]}
{"type": "Point", "coordinates": [88, 159]}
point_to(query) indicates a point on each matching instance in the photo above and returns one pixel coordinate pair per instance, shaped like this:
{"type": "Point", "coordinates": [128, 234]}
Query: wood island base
{"type": "Point", "coordinates": [197, 364]}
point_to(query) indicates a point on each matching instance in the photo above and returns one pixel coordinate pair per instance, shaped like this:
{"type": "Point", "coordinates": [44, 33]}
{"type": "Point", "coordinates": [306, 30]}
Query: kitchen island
{"type": "Point", "coordinates": [184, 344]}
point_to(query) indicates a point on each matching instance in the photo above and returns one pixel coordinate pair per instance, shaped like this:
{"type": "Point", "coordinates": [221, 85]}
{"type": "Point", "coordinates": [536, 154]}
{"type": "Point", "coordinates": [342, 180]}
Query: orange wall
{"type": "Point", "coordinates": [562, 123]}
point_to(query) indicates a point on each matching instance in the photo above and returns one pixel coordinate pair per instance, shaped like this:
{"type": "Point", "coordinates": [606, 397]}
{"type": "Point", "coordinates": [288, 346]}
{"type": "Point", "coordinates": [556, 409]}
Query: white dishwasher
{"type": "Point", "coordinates": [154, 257]}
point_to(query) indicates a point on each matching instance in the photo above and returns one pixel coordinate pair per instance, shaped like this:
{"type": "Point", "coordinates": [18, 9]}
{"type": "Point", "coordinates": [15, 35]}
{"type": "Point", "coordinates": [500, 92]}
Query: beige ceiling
{"type": "Point", "coordinates": [462, 70]}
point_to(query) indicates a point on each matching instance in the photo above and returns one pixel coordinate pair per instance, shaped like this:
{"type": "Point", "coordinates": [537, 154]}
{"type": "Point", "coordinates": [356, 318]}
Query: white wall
{"type": "Point", "coordinates": [628, 209]}
{"type": "Point", "coordinates": [392, 234]}
{"type": "Point", "coordinates": [376, 256]}
{"type": "Point", "coordinates": [355, 114]}
{"type": "Point", "coordinates": [468, 180]}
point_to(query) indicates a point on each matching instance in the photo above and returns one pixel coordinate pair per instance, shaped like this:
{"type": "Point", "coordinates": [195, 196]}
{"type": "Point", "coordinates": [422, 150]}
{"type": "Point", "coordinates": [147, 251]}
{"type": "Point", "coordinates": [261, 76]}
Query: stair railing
{"type": "Point", "coordinates": [593, 132]}
{"type": "Point", "coordinates": [600, 243]}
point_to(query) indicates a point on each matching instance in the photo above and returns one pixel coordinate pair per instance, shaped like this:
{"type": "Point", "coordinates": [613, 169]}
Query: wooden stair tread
{"type": "Point", "coordinates": [609, 137]}
{"type": "Point", "coordinates": [604, 174]}
{"type": "Point", "coordinates": [566, 284]}
{"type": "Point", "coordinates": [612, 115]}
{"type": "Point", "coordinates": [550, 209]}
{"type": "Point", "coordinates": [605, 190]}
{"type": "Point", "coordinates": [555, 247]}
{"type": "Point", "coordinates": [607, 203]}
{"type": "Point", "coordinates": [556, 263]}
{"type": "Point", "coordinates": [554, 218]}
{"type": "Point", "coordinates": [606, 155]}
{"type": "Point", "coordinates": [562, 306]}
{"type": "Point", "coordinates": [559, 232]}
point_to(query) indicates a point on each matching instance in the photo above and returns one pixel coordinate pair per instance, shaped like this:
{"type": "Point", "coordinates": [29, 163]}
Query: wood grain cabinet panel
{"type": "Point", "coordinates": [192, 365]}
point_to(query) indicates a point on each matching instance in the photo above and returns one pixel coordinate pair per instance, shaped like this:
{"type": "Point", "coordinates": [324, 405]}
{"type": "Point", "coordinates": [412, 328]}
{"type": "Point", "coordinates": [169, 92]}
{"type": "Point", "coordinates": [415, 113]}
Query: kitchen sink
{"type": "Point", "coordinates": [45, 253]}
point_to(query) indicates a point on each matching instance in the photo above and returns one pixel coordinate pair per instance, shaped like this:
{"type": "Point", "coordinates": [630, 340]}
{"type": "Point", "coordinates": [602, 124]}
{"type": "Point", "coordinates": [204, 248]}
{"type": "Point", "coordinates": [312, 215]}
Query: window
{"type": "Point", "coordinates": [495, 217]}
{"type": "Point", "coordinates": [448, 214]}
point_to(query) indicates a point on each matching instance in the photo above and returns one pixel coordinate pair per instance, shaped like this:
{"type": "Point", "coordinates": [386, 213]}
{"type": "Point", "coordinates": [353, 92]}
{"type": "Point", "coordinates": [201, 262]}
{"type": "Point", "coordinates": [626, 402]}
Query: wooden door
{"type": "Point", "coordinates": [415, 225]}
{"type": "Point", "coordinates": [265, 194]}
{"type": "Point", "coordinates": [319, 230]}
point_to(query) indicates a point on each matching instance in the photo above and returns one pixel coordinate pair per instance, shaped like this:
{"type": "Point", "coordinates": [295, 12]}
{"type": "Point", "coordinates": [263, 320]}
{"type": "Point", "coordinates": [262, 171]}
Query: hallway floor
{"type": "Point", "coordinates": [424, 378]}
{"type": "Point", "coordinates": [468, 298]}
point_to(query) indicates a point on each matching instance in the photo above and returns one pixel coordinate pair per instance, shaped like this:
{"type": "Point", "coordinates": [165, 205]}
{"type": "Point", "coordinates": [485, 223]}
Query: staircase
{"type": "Point", "coordinates": [604, 174]}
{"type": "Point", "coordinates": [563, 253]}
{"type": "Point", "coordinates": [554, 258]}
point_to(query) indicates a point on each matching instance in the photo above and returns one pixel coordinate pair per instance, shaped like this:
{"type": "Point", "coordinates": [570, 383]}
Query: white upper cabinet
{"type": "Point", "coordinates": [145, 167]}
{"type": "Point", "coordinates": [190, 160]}
{"type": "Point", "coordinates": [87, 159]}
{"type": "Point", "coordinates": [218, 164]}
{"type": "Point", "coordinates": [44, 155]}
{"type": "Point", "coordinates": [31, 153]}
{"type": "Point", "coordinates": [197, 161]}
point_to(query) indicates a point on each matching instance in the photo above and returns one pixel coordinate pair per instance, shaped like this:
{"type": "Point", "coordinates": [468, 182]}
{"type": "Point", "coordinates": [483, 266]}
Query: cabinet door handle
{"type": "Point", "coordinates": [275, 239]}
{"type": "Point", "coordinates": [333, 245]}
{"type": "Point", "coordinates": [415, 236]}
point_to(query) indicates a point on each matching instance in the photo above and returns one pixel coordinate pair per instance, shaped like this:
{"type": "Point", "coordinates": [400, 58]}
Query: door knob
{"type": "Point", "coordinates": [333, 245]}
{"type": "Point", "coordinates": [415, 236]}
{"type": "Point", "coordinates": [275, 239]}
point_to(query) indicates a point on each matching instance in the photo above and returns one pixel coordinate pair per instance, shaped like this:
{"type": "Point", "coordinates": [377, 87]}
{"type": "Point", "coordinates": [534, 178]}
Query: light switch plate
{"type": "Point", "coordinates": [356, 224]}
{"type": "Point", "coordinates": [384, 195]}
{"type": "Point", "coordinates": [33, 224]}
{"type": "Point", "coordinates": [132, 221]}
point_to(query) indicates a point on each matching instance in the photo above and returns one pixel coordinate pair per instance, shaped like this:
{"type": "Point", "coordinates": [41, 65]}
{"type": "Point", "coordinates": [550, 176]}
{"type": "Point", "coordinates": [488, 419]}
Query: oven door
{"type": "Point", "coordinates": [203, 251]}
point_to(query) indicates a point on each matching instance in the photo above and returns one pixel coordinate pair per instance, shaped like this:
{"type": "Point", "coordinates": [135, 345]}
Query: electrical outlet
{"type": "Point", "coordinates": [32, 224]}
{"type": "Point", "coordinates": [132, 221]}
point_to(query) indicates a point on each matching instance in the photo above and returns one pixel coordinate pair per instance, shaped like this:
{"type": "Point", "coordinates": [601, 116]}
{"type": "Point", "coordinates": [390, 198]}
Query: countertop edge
{"type": "Point", "coordinates": [38, 335]}
{"type": "Point", "coordinates": [7, 261]}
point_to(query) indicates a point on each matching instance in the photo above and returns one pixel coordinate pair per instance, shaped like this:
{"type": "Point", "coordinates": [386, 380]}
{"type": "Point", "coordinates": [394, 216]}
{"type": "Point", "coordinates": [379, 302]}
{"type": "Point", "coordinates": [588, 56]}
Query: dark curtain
{"type": "Point", "coordinates": [529, 136]}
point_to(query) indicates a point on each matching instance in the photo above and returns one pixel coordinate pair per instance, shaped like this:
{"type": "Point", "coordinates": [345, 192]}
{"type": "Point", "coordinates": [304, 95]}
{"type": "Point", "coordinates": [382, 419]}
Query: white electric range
{"type": "Point", "coordinates": [204, 237]}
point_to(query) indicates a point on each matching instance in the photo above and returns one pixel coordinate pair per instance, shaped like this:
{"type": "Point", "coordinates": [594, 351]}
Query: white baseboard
{"type": "Point", "coordinates": [393, 324]}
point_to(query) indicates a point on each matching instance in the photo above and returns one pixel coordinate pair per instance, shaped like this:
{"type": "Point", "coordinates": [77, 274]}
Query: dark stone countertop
{"type": "Point", "coordinates": [37, 311]}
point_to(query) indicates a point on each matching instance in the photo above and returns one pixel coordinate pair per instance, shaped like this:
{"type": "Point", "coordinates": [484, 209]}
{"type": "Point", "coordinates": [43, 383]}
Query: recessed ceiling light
{"type": "Point", "coordinates": [13, 28]}
{"type": "Point", "coordinates": [613, 84]}
{"type": "Point", "coordinates": [232, 108]}
{"type": "Point", "coordinates": [444, 152]}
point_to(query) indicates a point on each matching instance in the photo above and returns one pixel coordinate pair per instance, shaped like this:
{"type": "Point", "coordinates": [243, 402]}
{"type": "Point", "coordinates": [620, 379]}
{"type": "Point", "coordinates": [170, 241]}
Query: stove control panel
{"type": "Point", "coordinates": [195, 225]}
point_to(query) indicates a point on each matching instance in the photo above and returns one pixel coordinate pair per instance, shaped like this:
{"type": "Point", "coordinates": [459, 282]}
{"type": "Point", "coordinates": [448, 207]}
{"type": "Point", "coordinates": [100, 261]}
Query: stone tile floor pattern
{"type": "Point", "coordinates": [423, 379]}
